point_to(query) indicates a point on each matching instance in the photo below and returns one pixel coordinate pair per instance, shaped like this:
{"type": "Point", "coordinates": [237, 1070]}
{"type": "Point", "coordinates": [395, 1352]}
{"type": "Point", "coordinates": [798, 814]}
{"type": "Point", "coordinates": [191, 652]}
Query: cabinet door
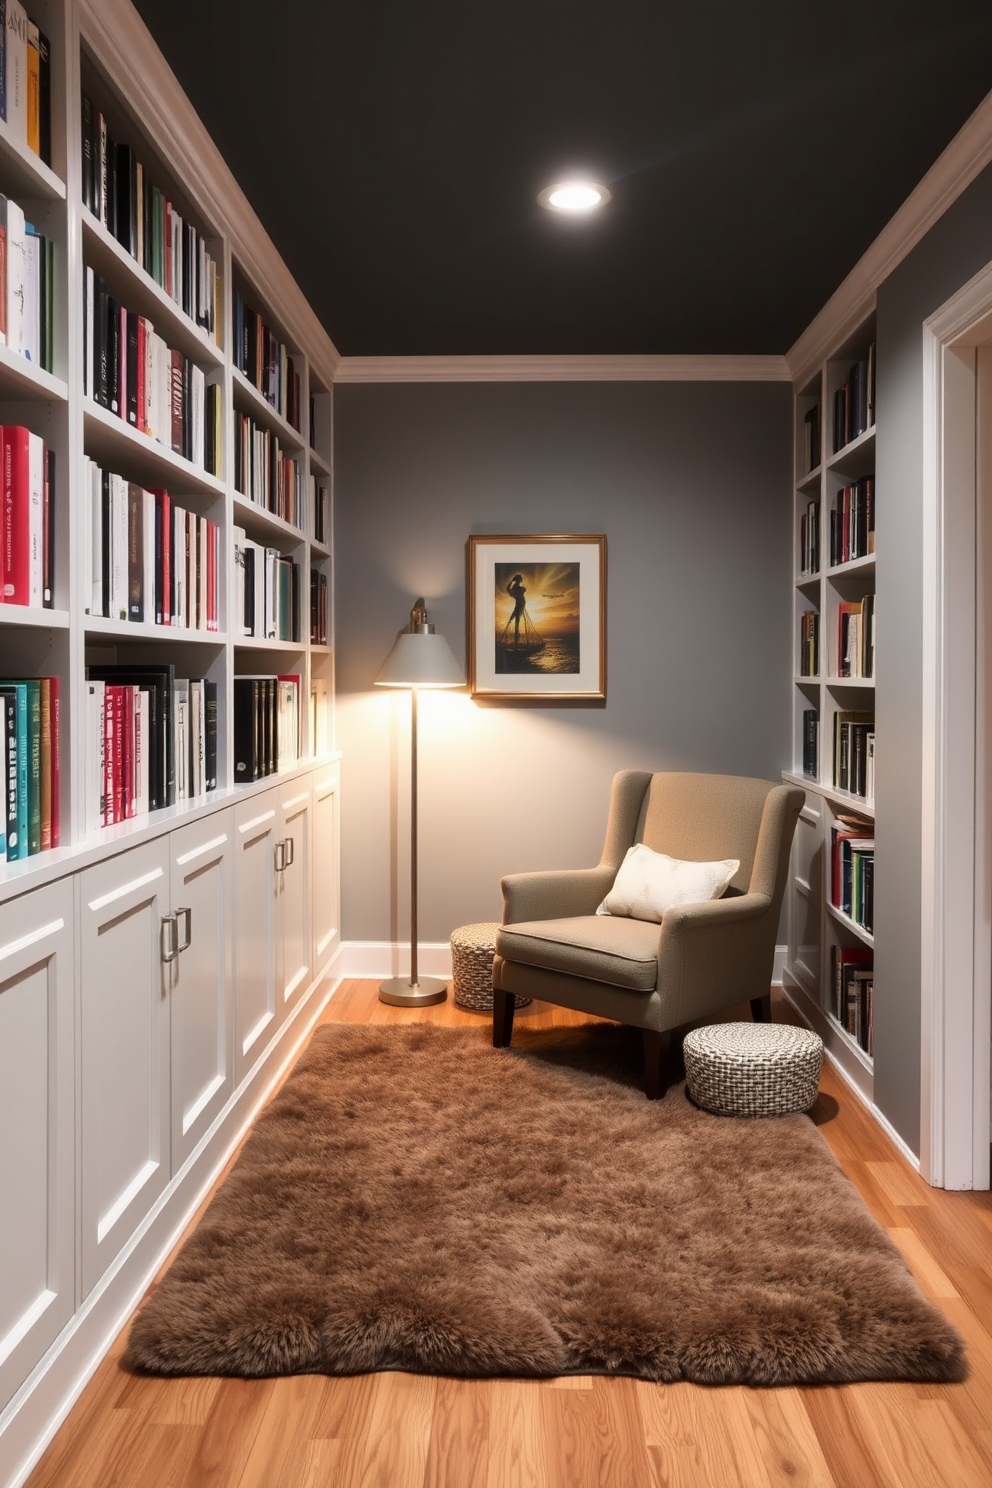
{"type": "Point", "coordinates": [199, 978]}
{"type": "Point", "coordinates": [256, 1005]}
{"type": "Point", "coordinates": [124, 1036]}
{"type": "Point", "coordinates": [326, 897]}
{"type": "Point", "coordinates": [293, 893]}
{"type": "Point", "coordinates": [37, 1158]}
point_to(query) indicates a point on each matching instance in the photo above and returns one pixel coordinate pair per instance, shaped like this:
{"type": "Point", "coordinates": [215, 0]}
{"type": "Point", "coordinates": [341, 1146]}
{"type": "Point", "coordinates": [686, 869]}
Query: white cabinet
{"type": "Point", "coordinates": [326, 885]}
{"type": "Point", "coordinates": [293, 914]}
{"type": "Point", "coordinates": [124, 1036]}
{"type": "Point", "coordinates": [37, 1158]}
{"type": "Point", "coordinates": [256, 1007]}
{"type": "Point", "coordinates": [198, 976]}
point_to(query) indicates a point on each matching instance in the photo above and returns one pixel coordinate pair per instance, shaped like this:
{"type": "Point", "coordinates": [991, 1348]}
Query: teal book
{"type": "Point", "coordinates": [16, 768]}
{"type": "Point", "coordinates": [34, 764]}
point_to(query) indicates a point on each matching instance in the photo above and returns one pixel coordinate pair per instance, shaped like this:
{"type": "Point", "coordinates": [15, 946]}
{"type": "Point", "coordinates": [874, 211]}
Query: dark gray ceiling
{"type": "Point", "coordinates": [394, 150]}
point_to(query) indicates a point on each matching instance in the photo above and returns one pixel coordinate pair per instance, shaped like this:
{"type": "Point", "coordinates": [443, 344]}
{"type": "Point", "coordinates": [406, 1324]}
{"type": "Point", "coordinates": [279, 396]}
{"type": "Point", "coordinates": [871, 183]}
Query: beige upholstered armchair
{"type": "Point", "coordinates": [700, 959]}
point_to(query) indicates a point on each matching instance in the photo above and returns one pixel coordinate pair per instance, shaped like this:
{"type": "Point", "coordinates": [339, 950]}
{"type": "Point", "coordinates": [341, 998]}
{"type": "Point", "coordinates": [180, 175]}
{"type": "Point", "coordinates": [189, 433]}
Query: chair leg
{"type": "Point", "coordinates": [504, 1006]}
{"type": "Point", "coordinates": [761, 1008]}
{"type": "Point", "coordinates": [655, 1062]}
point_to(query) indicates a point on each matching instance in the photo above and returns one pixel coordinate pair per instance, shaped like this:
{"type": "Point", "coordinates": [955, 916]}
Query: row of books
{"type": "Point", "coordinates": [852, 870]}
{"type": "Point", "coordinates": [811, 438]}
{"type": "Point", "coordinates": [809, 644]}
{"type": "Point", "coordinates": [266, 362]}
{"type": "Point", "coordinates": [27, 273]}
{"type": "Point", "coordinates": [318, 608]}
{"type": "Point", "coordinates": [117, 191]}
{"type": "Point", "coordinates": [854, 753]}
{"type": "Point", "coordinates": [27, 535]}
{"type": "Point", "coordinates": [150, 739]}
{"type": "Point", "coordinates": [25, 79]}
{"type": "Point", "coordinates": [266, 601]}
{"type": "Point", "coordinates": [856, 637]}
{"type": "Point", "coordinates": [320, 511]}
{"type": "Point", "coordinates": [151, 560]}
{"type": "Point", "coordinates": [854, 402]}
{"type": "Point", "coordinates": [811, 743]}
{"type": "Point", "coordinates": [129, 369]}
{"type": "Point", "coordinates": [29, 730]}
{"type": "Point", "coordinates": [852, 522]}
{"type": "Point", "coordinates": [853, 986]}
{"type": "Point", "coordinates": [266, 725]}
{"type": "Point", "coordinates": [809, 539]}
{"type": "Point", "coordinates": [264, 472]}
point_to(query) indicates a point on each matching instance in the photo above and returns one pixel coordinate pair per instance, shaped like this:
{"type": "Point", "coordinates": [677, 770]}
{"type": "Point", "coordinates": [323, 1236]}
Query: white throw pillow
{"type": "Point", "coordinates": [650, 883]}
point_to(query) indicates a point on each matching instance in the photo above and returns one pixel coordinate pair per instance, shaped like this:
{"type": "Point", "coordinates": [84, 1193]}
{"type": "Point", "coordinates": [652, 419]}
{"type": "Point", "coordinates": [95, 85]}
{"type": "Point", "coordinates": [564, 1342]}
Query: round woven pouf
{"type": "Point", "coordinates": [472, 950]}
{"type": "Point", "coordinates": [752, 1069]}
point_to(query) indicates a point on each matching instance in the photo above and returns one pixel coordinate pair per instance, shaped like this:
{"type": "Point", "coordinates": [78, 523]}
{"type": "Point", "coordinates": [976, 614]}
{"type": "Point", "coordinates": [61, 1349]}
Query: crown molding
{"type": "Point", "coordinates": [967, 155]}
{"type": "Point", "coordinates": [563, 369]}
{"type": "Point", "coordinates": [121, 44]}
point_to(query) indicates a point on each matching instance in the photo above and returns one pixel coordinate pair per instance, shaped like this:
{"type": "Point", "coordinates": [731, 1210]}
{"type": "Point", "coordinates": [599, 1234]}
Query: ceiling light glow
{"type": "Point", "coordinates": [574, 197]}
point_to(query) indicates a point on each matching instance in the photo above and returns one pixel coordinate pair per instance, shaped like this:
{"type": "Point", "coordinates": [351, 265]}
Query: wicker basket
{"type": "Point", "coordinates": [472, 950]}
{"type": "Point", "coordinates": [752, 1069]}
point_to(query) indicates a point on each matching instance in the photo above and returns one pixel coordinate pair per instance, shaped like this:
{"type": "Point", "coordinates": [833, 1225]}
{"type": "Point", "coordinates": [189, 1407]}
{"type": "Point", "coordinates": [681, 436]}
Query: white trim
{"type": "Point", "coordinates": [951, 173]}
{"type": "Point", "coordinates": [779, 965]}
{"type": "Point", "coordinates": [33, 1415]}
{"type": "Point", "coordinates": [956, 1060]}
{"type": "Point", "coordinates": [370, 959]}
{"type": "Point", "coordinates": [893, 1136]}
{"type": "Point", "coordinates": [563, 369]}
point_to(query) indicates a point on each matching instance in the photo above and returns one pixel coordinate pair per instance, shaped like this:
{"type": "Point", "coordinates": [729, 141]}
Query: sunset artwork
{"type": "Point", "coordinates": [537, 617]}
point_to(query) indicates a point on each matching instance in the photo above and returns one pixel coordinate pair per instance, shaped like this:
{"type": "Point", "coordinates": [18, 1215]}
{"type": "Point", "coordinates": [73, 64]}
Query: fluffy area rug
{"type": "Point", "coordinates": [414, 1199]}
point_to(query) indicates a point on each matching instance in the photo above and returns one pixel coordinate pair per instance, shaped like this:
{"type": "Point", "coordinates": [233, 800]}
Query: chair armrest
{"type": "Point", "coordinates": [713, 955]}
{"type": "Point", "coordinates": [713, 915]}
{"type": "Point", "coordinates": [553, 896]}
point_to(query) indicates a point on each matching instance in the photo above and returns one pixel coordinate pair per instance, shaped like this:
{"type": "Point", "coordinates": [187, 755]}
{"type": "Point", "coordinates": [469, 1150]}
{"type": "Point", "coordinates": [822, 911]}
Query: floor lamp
{"type": "Point", "coordinates": [420, 658]}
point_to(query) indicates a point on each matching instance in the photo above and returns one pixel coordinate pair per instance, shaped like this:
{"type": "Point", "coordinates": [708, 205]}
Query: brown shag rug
{"type": "Point", "coordinates": [414, 1199]}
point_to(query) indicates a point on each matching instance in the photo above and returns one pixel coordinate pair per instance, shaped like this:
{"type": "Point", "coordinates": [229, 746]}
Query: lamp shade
{"type": "Point", "coordinates": [420, 658]}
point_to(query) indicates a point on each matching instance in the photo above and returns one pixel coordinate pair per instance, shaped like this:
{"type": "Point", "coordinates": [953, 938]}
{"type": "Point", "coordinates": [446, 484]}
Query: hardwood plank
{"type": "Point", "coordinates": [852, 1460]}
{"type": "Point", "coordinates": [400, 1432]}
{"type": "Point", "coordinates": [459, 1447]}
{"type": "Point", "coordinates": [788, 1444]}
{"type": "Point", "coordinates": [227, 1438]}
{"type": "Point", "coordinates": [344, 1416]}
{"type": "Point", "coordinates": [595, 1437]}
{"type": "Point", "coordinates": [700, 1437]}
{"type": "Point", "coordinates": [921, 1442]}
{"type": "Point", "coordinates": [278, 1454]}
{"type": "Point", "coordinates": [518, 1446]}
{"type": "Point", "coordinates": [932, 1280]}
{"type": "Point", "coordinates": [900, 1184]}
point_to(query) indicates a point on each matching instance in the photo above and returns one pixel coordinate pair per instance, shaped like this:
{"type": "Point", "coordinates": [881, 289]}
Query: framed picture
{"type": "Point", "coordinates": [537, 617]}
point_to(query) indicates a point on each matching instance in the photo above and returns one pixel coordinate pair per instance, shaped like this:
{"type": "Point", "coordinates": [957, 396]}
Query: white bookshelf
{"type": "Point", "coordinates": [819, 928]}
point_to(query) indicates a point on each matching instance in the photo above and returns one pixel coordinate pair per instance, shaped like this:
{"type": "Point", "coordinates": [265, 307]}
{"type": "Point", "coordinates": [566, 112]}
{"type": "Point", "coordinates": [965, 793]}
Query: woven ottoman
{"type": "Point", "coordinates": [752, 1069]}
{"type": "Point", "coordinates": [472, 950]}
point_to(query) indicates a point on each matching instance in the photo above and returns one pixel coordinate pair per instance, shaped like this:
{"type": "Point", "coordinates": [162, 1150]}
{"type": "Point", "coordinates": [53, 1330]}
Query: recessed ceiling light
{"type": "Point", "coordinates": [574, 197]}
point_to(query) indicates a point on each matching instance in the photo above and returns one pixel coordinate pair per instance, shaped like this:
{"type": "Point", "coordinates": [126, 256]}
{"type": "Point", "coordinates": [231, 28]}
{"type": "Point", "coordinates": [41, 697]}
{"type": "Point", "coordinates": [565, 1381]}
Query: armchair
{"type": "Point", "coordinates": [701, 958]}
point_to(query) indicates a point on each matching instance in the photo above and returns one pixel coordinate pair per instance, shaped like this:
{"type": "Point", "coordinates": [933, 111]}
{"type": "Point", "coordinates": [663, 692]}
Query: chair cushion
{"type": "Point", "coordinates": [601, 948]}
{"type": "Point", "coordinates": [649, 883]}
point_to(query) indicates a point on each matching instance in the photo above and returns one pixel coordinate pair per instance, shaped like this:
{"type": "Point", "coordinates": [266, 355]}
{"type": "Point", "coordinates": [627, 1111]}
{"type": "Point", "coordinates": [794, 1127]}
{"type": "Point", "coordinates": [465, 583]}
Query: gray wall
{"type": "Point", "coordinates": [955, 249]}
{"type": "Point", "coordinates": [692, 485]}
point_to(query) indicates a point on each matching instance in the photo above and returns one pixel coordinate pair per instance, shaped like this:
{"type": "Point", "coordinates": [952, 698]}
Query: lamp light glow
{"type": "Point", "coordinates": [575, 197]}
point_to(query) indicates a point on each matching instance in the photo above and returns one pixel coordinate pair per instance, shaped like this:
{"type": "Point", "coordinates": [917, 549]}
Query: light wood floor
{"type": "Point", "coordinates": [407, 1431]}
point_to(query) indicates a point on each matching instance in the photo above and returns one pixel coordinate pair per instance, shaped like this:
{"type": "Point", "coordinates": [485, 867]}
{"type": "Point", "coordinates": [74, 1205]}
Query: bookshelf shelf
{"type": "Point", "coordinates": [852, 925]}
{"type": "Point", "coordinates": [248, 399]}
{"type": "Point", "coordinates": [262, 643]}
{"type": "Point", "coordinates": [133, 630]}
{"type": "Point", "coordinates": [853, 566]}
{"type": "Point", "coordinates": [109, 441]}
{"type": "Point", "coordinates": [102, 252]}
{"type": "Point", "coordinates": [318, 465]}
{"type": "Point", "coordinates": [24, 172]}
{"type": "Point", "coordinates": [258, 519]}
{"type": "Point", "coordinates": [319, 549]}
{"type": "Point", "coordinates": [34, 618]}
{"type": "Point", "coordinates": [854, 455]}
{"type": "Point", "coordinates": [20, 378]}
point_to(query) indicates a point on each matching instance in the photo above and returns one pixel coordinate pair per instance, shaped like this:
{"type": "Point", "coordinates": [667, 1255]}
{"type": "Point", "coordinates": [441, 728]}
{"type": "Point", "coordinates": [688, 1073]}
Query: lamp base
{"type": "Point", "coordinates": [399, 992]}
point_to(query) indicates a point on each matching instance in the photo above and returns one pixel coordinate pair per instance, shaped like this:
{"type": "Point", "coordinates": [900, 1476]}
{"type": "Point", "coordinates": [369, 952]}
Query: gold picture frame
{"type": "Point", "coordinates": [537, 617]}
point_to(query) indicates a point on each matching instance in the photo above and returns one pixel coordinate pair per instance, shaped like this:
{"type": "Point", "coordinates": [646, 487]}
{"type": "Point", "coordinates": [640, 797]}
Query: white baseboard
{"type": "Point", "coordinates": [384, 958]}
{"type": "Point", "coordinates": [31, 1418]}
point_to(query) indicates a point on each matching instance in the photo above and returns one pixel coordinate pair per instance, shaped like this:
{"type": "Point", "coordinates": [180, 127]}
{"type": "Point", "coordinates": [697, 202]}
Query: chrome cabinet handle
{"type": "Point", "coordinates": [170, 938]}
{"type": "Point", "coordinates": [187, 915]}
{"type": "Point", "coordinates": [289, 844]}
{"type": "Point", "coordinates": [280, 856]}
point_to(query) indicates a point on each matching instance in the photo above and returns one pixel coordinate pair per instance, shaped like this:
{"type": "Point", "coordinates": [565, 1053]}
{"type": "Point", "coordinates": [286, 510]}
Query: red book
{"type": "Point", "coordinates": [53, 687]}
{"type": "Point", "coordinates": [109, 735]}
{"type": "Point", "coordinates": [127, 751]}
{"type": "Point", "coordinates": [14, 451]}
{"type": "Point", "coordinates": [211, 575]}
{"type": "Point", "coordinates": [142, 420]}
{"type": "Point", "coordinates": [117, 763]}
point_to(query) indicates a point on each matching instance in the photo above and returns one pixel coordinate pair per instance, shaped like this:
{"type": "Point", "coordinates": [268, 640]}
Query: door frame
{"type": "Point", "coordinates": [956, 866]}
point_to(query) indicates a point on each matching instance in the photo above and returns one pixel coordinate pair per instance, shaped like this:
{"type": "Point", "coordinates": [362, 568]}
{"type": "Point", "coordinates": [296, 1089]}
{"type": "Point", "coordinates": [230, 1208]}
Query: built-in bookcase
{"type": "Point", "coordinates": [103, 122]}
{"type": "Point", "coordinates": [829, 970]}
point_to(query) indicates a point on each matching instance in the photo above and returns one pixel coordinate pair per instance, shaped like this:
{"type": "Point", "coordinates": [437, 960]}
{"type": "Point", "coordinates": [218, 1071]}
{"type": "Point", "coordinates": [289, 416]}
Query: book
{"type": "Point", "coordinates": [16, 768]}
{"type": "Point", "coordinates": [16, 69]}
